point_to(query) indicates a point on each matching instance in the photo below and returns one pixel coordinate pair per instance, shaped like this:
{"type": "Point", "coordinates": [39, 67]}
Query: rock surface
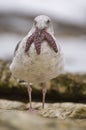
{"type": "Point", "coordinates": [15, 116]}
{"type": "Point", "coordinates": [18, 120]}
{"type": "Point", "coordinates": [52, 110]}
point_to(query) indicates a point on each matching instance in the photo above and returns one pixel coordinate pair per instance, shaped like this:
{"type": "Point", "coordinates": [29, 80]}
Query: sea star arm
{"type": "Point", "coordinates": [37, 44]}
{"type": "Point", "coordinates": [51, 41]}
{"type": "Point", "coordinates": [29, 42]}
{"type": "Point", "coordinates": [37, 41]}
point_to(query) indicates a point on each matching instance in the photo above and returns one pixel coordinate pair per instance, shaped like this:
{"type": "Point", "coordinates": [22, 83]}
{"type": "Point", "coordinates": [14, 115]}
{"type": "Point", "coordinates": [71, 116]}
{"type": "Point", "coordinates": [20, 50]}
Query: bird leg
{"type": "Point", "coordinates": [44, 90]}
{"type": "Point", "coordinates": [29, 93]}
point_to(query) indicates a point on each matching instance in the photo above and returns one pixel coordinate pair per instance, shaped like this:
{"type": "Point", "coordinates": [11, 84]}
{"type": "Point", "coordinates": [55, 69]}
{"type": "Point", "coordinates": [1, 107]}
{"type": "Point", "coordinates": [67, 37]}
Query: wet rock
{"type": "Point", "coordinates": [62, 116]}
{"type": "Point", "coordinates": [52, 110]}
{"type": "Point", "coordinates": [65, 110]}
{"type": "Point", "coordinates": [12, 105]}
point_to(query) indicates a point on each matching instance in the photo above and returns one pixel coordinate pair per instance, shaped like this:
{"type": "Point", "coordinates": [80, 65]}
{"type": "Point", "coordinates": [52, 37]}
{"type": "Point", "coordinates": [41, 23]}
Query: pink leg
{"type": "Point", "coordinates": [30, 98]}
{"type": "Point", "coordinates": [44, 90]}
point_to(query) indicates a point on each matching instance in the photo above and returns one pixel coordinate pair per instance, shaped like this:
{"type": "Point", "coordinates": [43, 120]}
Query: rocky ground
{"type": "Point", "coordinates": [63, 116]}
{"type": "Point", "coordinates": [65, 108]}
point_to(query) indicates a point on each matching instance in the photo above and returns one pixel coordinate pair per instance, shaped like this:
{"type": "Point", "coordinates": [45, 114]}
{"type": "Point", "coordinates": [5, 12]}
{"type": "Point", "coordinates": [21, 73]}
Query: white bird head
{"type": "Point", "coordinates": [42, 22]}
{"type": "Point", "coordinates": [42, 30]}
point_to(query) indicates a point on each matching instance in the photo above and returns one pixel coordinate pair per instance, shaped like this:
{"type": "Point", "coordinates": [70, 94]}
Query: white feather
{"type": "Point", "coordinates": [34, 68]}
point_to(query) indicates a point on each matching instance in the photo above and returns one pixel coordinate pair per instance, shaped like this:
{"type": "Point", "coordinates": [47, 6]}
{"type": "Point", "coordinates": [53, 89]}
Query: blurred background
{"type": "Point", "coordinates": [69, 21]}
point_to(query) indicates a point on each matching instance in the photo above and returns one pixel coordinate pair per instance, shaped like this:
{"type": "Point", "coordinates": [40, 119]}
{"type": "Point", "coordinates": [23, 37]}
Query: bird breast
{"type": "Point", "coordinates": [37, 68]}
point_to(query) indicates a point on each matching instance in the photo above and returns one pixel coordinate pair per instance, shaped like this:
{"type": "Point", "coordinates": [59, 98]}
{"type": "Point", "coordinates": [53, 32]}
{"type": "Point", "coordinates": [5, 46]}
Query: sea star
{"type": "Point", "coordinates": [38, 37]}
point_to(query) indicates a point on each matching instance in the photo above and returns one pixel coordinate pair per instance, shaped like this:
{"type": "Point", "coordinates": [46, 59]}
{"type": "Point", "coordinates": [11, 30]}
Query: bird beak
{"type": "Point", "coordinates": [41, 26]}
{"type": "Point", "coordinates": [41, 29]}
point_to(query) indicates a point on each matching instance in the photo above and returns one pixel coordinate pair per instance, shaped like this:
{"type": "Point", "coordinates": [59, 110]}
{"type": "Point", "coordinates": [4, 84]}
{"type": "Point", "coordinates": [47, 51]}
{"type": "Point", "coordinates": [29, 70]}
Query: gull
{"type": "Point", "coordinates": [38, 56]}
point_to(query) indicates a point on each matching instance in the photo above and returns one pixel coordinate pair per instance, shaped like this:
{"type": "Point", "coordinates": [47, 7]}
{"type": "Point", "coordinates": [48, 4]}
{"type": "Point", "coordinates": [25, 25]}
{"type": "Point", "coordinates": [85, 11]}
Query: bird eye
{"type": "Point", "coordinates": [48, 21]}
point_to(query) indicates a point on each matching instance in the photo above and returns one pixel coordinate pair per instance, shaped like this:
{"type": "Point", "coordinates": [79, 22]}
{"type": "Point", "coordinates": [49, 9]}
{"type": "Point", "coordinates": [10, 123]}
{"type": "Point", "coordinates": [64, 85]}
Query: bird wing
{"type": "Point", "coordinates": [16, 48]}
